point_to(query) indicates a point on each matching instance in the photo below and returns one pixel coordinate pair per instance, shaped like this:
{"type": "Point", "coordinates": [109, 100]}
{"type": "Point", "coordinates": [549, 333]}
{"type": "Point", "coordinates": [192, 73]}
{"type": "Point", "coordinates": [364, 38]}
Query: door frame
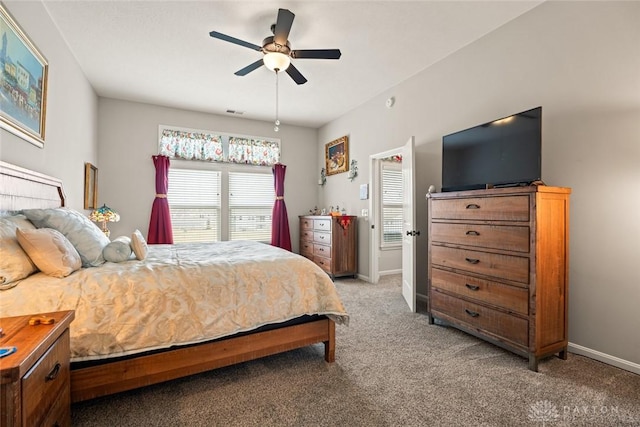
{"type": "Point", "coordinates": [374, 179]}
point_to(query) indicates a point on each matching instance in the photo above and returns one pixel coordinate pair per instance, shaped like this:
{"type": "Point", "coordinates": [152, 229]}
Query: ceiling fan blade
{"type": "Point", "coordinates": [295, 75]}
{"type": "Point", "coordinates": [249, 68]}
{"type": "Point", "coordinates": [283, 26]}
{"type": "Point", "coordinates": [217, 35]}
{"type": "Point", "coordinates": [317, 53]}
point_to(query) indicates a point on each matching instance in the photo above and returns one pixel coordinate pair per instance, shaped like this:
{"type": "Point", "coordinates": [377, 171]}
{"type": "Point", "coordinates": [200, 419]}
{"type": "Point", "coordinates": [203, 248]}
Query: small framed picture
{"type": "Point", "coordinates": [336, 156]}
{"type": "Point", "coordinates": [90, 186]}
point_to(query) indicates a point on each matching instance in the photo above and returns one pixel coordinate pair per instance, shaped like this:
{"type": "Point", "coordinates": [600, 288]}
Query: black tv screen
{"type": "Point", "coordinates": [500, 153]}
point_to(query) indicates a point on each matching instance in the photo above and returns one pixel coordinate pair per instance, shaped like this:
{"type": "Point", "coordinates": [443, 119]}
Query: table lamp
{"type": "Point", "coordinates": [104, 214]}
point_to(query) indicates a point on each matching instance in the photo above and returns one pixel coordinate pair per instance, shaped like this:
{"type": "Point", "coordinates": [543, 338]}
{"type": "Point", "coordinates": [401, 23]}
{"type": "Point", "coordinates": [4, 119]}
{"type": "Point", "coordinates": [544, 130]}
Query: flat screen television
{"type": "Point", "coordinates": [501, 153]}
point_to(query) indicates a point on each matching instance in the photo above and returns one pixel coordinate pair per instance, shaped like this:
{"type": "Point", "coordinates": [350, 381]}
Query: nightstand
{"type": "Point", "coordinates": [35, 380]}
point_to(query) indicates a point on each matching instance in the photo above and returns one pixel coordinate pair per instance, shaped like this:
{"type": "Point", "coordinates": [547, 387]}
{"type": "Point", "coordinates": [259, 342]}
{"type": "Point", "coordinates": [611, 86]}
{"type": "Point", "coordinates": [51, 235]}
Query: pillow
{"type": "Point", "coordinates": [83, 234]}
{"type": "Point", "coordinates": [118, 250]}
{"type": "Point", "coordinates": [15, 264]}
{"type": "Point", "coordinates": [50, 251]}
{"type": "Point", "coordinates": [139, 245]}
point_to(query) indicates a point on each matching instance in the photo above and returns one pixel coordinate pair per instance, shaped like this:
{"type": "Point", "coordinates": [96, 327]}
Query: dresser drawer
{"type": "Point", "coordinates": [324, 263]}
{"type": "Point", "coordinates": [322, 224]}
{"type": "Point", "coordinates": [510, 238]}
{"type": "Point", "coordinates": [322, 250]}
{"type": "Point", "coordinates": [60, 413]}
{"type": "Point", "coordinates": [512, 298]}
{"type": "Point", "coordinates": [306, 224]}
{"type": "Point", "coordinates": [306, 248]}
{"type": "Point", "coordinates": [322, 237]}
{"type": "Point", "coordinates": [509, 327]}
{"type": "Point", "coordinates": [507, 208]}
{"type": "Point", "coordinates": [506, 267]}
{"type": "Point", "coordinates": [306, 235]}
{"type": "Point", "coordinates": [45, 381]}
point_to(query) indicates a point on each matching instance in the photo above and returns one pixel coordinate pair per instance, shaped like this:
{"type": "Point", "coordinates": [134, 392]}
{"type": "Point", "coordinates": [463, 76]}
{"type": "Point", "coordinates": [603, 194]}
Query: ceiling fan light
{"type": "Point", "coordinates": [276, 61]}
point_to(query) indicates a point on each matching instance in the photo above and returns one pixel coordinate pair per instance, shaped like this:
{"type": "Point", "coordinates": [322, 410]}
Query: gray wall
{"type": "Point", "coordinates": [71, 115]}
{"type": "Point", "coordinates": [581, 62]}
{"type": "Point", "coordinates": [128, 137]}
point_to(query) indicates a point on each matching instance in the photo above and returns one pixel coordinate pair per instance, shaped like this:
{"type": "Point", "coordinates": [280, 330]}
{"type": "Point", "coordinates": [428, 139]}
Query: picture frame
{"type": "Point", "coordinates": [23, 83]}
{"type": "Point", "coordinates": [90, 186]}
{"type": "Point", "coordinates": [336, 156]}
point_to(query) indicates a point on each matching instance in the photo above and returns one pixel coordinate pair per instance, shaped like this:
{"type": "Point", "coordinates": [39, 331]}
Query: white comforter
{"type": "Point", "coordinates": [180, 294]}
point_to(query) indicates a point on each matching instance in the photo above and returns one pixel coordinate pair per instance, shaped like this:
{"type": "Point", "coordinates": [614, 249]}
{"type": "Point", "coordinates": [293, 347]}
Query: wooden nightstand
{"type": "Point", "coordinates": [35, 380]}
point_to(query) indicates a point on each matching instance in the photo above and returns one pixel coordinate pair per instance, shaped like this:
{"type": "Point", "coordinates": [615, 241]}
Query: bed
{"type": "Point", "coordinates": [180, 310]}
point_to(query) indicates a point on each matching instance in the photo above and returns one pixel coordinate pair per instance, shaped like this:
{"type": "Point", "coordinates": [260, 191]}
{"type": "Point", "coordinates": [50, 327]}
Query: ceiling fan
{"type": "Point", "coordinates": [277, 50]}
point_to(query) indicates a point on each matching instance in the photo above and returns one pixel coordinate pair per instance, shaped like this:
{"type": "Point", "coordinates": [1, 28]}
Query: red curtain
{"type": "Point", "coordinates": [160, 224]}
{"type": "Point", "coordinates": [280, 235]}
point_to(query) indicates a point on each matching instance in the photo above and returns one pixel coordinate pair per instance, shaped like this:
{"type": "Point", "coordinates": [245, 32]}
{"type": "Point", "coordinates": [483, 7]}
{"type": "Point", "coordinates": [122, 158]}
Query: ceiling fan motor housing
{"type": "Point", "coordinates": [269, 45]}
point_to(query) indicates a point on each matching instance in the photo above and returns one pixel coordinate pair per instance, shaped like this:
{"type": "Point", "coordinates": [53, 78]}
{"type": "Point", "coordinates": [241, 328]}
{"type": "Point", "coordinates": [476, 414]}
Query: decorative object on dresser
{"type": "Point", "coordinates": [35, 380]}
{"type": "Point", "coordinates": [104, 214]}
{"type": "Point", "coordinates": [498, 266]}
{"type": "Point", "coordinates": [330, 242]}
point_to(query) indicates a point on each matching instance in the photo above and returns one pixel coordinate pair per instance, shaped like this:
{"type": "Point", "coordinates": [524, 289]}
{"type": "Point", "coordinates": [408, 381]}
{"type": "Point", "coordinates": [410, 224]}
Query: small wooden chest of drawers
{"type": "Point", "coordinates": [498, 266]}
{"type": "Point", "coordinates": [35, 380]}
{"type": "Point", "coordinates": [330, 242]}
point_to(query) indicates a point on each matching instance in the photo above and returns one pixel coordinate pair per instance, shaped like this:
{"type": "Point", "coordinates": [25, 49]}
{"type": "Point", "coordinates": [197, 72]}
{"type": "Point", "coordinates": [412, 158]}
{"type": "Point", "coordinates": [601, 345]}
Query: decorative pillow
{"type": "Point", "coordinates": [139, 245]}
{"type": "Point", "coordinates": [118, 250]}
{"type": "Point", "coordinates": [83, 234]}
{"type": "Point", "coordinates": [15, 264]}
{"type": "Point", "coordinates": [50, 251]}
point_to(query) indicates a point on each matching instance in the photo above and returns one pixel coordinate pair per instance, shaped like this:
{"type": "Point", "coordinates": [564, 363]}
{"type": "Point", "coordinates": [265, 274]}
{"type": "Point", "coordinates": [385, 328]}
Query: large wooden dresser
{"type": "Point", "coordinates": [498, 266]}
{"type": "Point", "coordinates": [330, 242]}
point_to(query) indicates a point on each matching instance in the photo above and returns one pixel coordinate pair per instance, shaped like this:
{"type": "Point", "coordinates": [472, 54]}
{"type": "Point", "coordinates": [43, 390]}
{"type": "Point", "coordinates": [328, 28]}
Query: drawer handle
{"type": "Point", "coordinates": [472, 260]}
{"type": "Point", "coordinates": [472, 233]}
{"type": "Point", "coordinates": [473, 206]}
{"type": "Point", "coordinates": [54, 373]}
{"type": "Point", "coordinates": [471, 313]}
{"type": "Point", "coordinates": [472, 287]}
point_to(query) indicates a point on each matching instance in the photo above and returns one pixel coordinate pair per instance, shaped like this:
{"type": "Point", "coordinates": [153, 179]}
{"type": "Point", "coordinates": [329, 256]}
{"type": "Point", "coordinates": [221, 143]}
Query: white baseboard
{"type": "Point", "coordinates": [390, 272]}
{"type": "Point", "coordinates": [605, 358]}
{"type": "Point", "coordinates": [365, 278]}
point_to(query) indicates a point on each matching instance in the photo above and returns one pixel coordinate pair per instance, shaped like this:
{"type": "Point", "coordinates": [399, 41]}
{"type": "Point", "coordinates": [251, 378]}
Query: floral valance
{"type": "Point", "coordinates": [189, 145]}
{"type": "Point", "coordinates": [253, 151]}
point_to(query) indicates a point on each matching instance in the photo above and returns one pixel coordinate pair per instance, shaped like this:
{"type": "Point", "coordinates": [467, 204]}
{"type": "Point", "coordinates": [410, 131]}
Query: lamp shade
{"type": "Point", "coordinates": [276, 61]}
{"type": "Point", "coordinates": [104, 214]}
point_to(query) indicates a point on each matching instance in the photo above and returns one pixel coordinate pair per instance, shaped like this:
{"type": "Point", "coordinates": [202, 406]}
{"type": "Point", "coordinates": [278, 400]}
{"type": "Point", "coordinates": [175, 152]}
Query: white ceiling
{"type": "Point", "coordinates": [160, 52]}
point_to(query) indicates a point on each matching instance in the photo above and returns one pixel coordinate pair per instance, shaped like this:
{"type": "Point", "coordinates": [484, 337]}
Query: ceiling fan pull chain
{"type": "Point", "coordinates": [277, 126]}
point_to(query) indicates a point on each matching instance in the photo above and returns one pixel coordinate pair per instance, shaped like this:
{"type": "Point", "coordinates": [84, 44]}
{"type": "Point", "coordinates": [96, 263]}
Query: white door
{"type": "Point", "coordinates": [408, 224]}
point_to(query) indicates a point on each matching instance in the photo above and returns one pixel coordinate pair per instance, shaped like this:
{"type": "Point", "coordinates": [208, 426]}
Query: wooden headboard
{"type": "Point", "coordinates": [22, 188]}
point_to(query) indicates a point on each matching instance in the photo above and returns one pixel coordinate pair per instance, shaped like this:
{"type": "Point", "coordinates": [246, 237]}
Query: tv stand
{"type": "Point", "coordinates": [498, 266]}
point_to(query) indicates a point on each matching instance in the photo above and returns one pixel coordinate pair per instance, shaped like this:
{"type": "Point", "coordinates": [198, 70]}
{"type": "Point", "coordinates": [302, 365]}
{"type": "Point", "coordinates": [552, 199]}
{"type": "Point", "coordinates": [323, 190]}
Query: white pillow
{"type": "Point", "coordinates": [50, 251]}
{"type": "Point", "coordinates": [83, 234]}
{"type": "Point", "coordinates": [139, 245]}
{"type": "Point", "coordinates": [15, 264]}
{"type": "Point", "coordinates": [118, 250]}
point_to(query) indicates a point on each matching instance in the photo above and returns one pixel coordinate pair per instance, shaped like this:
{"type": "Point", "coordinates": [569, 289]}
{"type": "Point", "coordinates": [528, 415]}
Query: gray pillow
{"type": "Point", "coordinates": [83, 234]}
{"type": "Point", "coordinates": [118, 250]}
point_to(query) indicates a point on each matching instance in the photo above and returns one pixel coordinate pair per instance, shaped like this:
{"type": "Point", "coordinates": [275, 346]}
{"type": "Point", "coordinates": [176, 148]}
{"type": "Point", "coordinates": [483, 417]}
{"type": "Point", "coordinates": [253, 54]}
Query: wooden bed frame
{"type": "Point", "coordinates": [21, 188]}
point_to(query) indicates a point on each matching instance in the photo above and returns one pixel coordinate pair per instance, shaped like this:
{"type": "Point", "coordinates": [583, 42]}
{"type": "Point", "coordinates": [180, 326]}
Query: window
{"type": "Point", "coordinates": [210, 205]}
{"type": "Point", "coordinates": [194, 201]}
{"type": "Point", "coordinates": [391, 212]}
{"type": "Point", "coordinates": [251, 198]}
{"type": "Point", "coordinates": [228, 194]}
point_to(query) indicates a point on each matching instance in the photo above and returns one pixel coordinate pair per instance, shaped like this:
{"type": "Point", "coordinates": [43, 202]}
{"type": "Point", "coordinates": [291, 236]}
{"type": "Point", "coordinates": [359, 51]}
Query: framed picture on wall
{"type": "Point", "coordinates": [336, 156]}
{"type": "Point", "coordinates": [90, 186]}
{"type": "Point", "coordinates": [23, 83]}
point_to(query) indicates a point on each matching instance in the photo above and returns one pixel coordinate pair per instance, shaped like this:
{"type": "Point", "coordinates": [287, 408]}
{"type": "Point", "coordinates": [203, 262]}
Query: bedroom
{"type": "Point", "coordinates": [580, 62]}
